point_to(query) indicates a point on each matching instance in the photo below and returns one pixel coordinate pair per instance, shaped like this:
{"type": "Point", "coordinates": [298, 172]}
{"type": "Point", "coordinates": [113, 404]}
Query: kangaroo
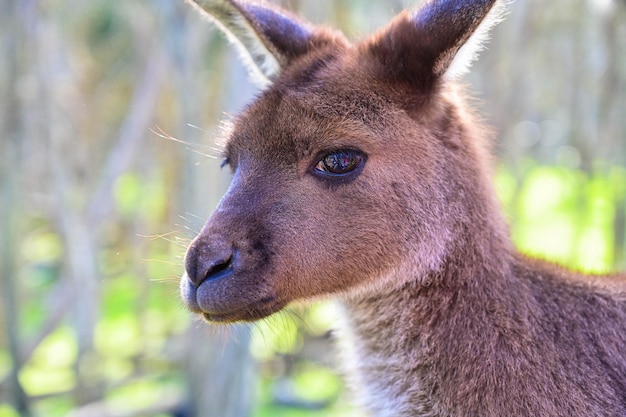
{"type": "Point", "coordinates": [361, 174]}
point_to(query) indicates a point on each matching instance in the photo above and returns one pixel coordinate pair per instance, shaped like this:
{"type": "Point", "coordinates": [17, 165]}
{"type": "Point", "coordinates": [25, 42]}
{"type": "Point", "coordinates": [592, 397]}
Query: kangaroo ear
{"type": "Point", "coordinates": [441, 39]}
{"type": "Point", "coordinates": [267, 37]}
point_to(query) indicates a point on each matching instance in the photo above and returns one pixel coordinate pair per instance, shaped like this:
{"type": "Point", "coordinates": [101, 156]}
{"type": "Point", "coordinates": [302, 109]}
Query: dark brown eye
{"type": "Point", "coordinates": [340, 162]}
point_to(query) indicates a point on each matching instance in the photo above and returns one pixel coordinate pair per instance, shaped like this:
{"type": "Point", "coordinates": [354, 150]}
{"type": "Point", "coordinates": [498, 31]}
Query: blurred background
{"type": "Point", "coordinates": [108, 112]}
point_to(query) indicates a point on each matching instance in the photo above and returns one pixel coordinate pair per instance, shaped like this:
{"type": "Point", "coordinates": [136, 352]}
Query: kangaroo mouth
{"type": "Point", "coordinates": [251, 312]}
{"type": "Point", "coordinates": [227, 300]}
{"type": "Point", "coordinates": [255, 311]}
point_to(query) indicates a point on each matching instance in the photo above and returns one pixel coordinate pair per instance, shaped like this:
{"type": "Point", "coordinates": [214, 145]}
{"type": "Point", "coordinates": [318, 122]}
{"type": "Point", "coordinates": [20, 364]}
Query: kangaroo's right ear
{"type": "Point", "coordinates": [438, 40]}
{"type": "Point", "coordinates": [268, 37]}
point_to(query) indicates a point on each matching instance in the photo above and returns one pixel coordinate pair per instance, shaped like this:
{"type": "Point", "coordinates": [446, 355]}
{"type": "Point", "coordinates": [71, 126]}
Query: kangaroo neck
{"type": "Point", "coordinates": [403, 348]}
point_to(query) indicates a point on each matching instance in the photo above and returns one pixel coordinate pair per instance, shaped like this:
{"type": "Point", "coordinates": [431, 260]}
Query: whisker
{"type": "Point", "coordinates": [190, 145]}
{"type": "Point", "coordinates": [157, 236]}
{"type": "Point", "coordinates": [164, 135]}
{"type": "Point", "coordinates": [192, 215]}
{"type": "Point", "coordinates": [174, 280]}
{"type": "Point", "coordinates": [197, 128]}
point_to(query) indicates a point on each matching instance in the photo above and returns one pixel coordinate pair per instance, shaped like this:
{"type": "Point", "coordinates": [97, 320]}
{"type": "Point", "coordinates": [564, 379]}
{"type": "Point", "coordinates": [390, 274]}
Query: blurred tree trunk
{"type": "Point", "coordinates": [563, 64]}
{"type": "Point", "coordinates": [10, 196]}
{"type": "Point", "coordinates": [220, 372]}
{"type": "Point", "coordinates": [56, 82]}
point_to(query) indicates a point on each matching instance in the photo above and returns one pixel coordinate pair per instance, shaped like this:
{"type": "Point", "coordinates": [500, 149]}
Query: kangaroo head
{"type": "Point", "coordinates": [357, 168]}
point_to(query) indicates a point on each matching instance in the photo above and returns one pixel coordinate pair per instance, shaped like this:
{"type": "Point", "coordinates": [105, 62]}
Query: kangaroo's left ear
{"type": "Point", "coordinates": [268, 37]}
{"type": "Point", "coordinates": [439, 40]}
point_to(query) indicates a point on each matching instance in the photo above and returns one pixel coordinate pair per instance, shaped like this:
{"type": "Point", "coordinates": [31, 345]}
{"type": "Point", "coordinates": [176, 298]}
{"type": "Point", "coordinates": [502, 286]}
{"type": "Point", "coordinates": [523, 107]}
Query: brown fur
{"type": "Point", "coordinates": [442, 316]}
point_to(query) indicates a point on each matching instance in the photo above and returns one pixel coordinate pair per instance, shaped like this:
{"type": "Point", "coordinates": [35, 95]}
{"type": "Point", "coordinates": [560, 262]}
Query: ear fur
{"type": "Point", "coordinates": [267, 37]}
{"type": "Point", "coordinates": [468, 52]}
{"type": "Point", "coordinates": [438, 40]}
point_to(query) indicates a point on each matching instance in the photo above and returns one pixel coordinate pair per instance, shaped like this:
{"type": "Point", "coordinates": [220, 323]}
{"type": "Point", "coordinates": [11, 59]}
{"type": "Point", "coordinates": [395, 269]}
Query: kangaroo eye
{"type": "Point", "coordinates": [340, 162]}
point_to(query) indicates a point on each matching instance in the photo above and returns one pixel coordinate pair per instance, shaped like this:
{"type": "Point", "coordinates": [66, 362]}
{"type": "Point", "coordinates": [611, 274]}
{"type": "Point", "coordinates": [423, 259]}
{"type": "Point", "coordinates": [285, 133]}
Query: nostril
{"type": "Point", "coordinates": [219, 268]}
{"type": "Point", "coordinates": [201, 266]}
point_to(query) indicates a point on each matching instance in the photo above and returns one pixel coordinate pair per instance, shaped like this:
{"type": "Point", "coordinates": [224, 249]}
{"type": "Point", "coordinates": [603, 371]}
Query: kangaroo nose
{"type": "Point", "coordinates": [202, 263]}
